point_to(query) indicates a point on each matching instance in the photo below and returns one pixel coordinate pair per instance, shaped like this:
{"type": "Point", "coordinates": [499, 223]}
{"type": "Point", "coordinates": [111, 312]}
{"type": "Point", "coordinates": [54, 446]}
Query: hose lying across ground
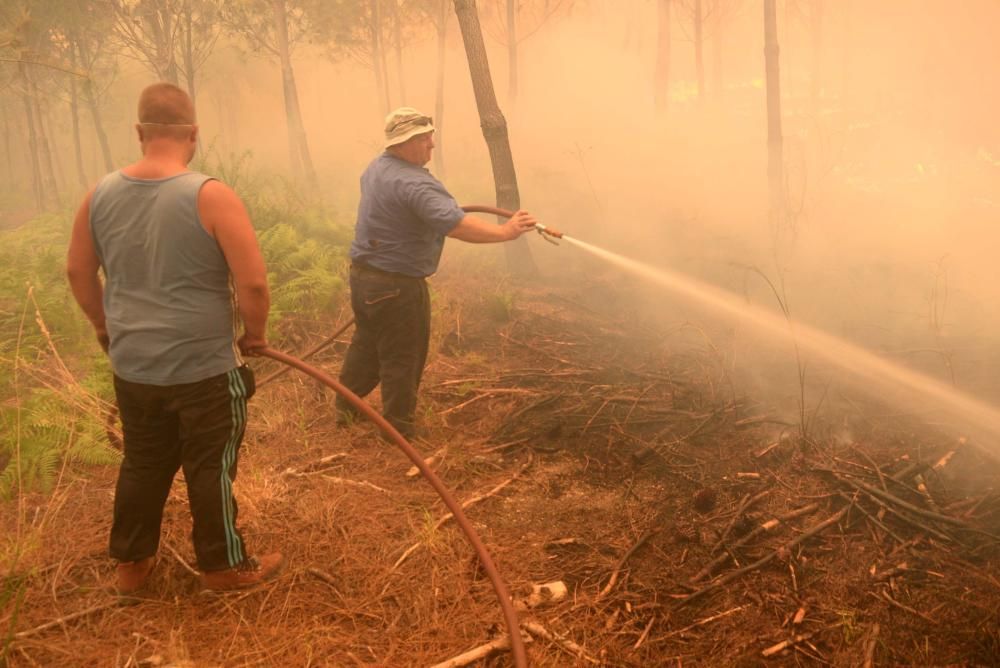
{"type": "Point", "coordinates": [510, 616]}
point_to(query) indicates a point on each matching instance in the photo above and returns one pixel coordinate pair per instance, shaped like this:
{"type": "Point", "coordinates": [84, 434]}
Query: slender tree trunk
{"type": "Point", "coordinates": [397, 29]}
{"type": "Point", "coordinates": [699, 42]}
{"type": "Point", "coordinates": [775, 171]}
{"type": "Point", "coordinates": [189, 66]}
{"type": "Point", "coordinates": [95, 112]}
{"type": "Point", "coordinates": [36, 170]}
{"type": "Point", "coordinates": [441, 24]}
{"type": "Point", "coordinates": [49, 180]}
{"type": "Point", "coordinates": [519, 258]}
{"type": "Point", "coordinates": [6, 145]}
{"type": "Point", "coordinates": [74, 111]}
{"type": "Point", "coordinates": [298, 144]}
{"type": "Point", "coordinates": [717, 43]}
{"type": "Point", "coordinates": [512, 51]}
{"type": "Point", "coordinates": [816, 69]}
{"type": "Point", "coordinates": [378, 57]}
{"type": "Point", "coordinates": [661, 76]}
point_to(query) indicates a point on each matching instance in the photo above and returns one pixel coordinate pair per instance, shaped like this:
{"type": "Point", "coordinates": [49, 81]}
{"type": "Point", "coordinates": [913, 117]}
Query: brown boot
{"type": "Point", "coordinates": [249, 573]}
{"type": "Point", "coordinates": [132, 575]}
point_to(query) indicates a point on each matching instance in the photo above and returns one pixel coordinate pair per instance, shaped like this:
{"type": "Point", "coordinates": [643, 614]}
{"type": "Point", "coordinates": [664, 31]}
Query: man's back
{"type": "Point", "coordinates": [168, 296]}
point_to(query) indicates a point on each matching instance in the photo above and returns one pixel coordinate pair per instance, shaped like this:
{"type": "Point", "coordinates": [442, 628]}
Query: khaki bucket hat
{"type": "Point", "coordinates": [404, 123]}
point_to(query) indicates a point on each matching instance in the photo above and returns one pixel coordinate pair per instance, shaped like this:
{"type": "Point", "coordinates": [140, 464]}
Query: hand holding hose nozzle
{"type": "Point", "coordinates": [549, 234]}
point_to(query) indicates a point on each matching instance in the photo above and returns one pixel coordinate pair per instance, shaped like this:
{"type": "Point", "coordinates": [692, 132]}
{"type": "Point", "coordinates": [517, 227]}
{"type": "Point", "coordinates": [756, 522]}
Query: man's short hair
{"type": "Point", "coordinates": [163, 107]}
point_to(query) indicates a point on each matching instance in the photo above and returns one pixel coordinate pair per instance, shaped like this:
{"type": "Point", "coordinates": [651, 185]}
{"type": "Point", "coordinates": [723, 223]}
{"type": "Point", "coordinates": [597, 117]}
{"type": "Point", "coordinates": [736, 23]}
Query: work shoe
{"type": "Point", "coordinates": [132, 575]}
{"type": "Point", "coordinates": [251, 572]}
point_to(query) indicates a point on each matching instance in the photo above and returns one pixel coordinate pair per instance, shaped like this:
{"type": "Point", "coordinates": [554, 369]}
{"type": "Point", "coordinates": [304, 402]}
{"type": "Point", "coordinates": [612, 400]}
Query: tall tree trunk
{"type": "Point", "coordinates": [74, 111]}
{"type": "Point", "coordinates": [816, 64]}
{"type": "Point", "coordinates": [49, 181]}
{"type": "Point", "coordinates": [188, 54]}
{"type": "Point", "coordinates": [699, 42]}
{"type": "Point", "coordinates": [397, 29]}
{"type": "Point", "coordinates": [441, 25]}
{"type": "Point", "coordinates": [775, 171]}
{"type": "Point", "coordinates": [95, 112]}
{"type": "Point", "coordinates": [512, 51]}
{"type": "Point", "coordinates": [298, 145]}
{"type": "Point", "coordinates": [718, 86]}
{"type": "Point", "coordinates": [519, 258]}
{"type": "Point", "coordinates": [36, 168]}
{"type": "Point", "coordinates": [661, 76]}
{"type": "Point", "coordinates": [378, 57]}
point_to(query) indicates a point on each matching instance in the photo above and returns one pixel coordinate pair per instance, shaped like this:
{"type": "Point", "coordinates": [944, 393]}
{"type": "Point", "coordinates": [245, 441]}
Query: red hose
{"type": "Point", "coordinates": [510, 616]}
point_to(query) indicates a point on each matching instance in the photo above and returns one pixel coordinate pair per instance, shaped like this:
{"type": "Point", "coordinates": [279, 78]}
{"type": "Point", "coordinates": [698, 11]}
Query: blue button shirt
{"type": "Point", "coordinates": [403, 218]}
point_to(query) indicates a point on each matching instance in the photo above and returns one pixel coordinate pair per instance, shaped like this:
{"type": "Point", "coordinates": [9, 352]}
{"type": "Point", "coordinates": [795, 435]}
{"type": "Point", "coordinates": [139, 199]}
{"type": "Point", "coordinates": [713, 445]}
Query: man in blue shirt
{"type": "Point", "coordinates": [403, 218]}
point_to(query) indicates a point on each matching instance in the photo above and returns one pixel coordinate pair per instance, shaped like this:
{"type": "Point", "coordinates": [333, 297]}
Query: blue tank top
{"type": "Point", "coordinates": [168, 295]}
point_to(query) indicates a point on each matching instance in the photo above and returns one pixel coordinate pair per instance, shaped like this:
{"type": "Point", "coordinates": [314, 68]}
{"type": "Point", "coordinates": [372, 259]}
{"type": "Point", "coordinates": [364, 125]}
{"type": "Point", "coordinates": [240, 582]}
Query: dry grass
{"type": "Point", "coordinates": [624, 430]}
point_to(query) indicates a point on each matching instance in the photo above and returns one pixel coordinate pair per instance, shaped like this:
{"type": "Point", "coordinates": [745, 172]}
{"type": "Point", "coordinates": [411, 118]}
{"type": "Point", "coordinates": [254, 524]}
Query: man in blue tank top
{"type": "Point", "coordinates": [181, 269]}
{"type": "Point", "coordinates": [403, 218]}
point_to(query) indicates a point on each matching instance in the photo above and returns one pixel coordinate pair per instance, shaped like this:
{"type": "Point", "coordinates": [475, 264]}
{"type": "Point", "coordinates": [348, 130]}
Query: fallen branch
{"type": "Point", "coordinates": [742, 508]}
{"type": "Point", "coordinates": [785, 644]}
{"type": "Point", "coordinates": [356, 483]}
{"type": "Point", "coordinates": [444, 518]}
{"type": "Point", "coordinates": [781, 551]}
{"type": "Point", "coordinates": [536, 629]}
{"type": "Point", "coordinates": [763, 528]}
{"type": "Point", "coordinates": [621, 563]}
{"type": "Point", "coordinates": [477, 653]}
{"type": "Point", "coordinates": [309, 353]}
{"type": "Point", "coordinates": [68, 618]}
{"type": "Point", "coordinates": [323, 575]}
{"type": "Point", "coordinates": [701, 622]}
{"type": "Point", "coordinates": [870, 647]}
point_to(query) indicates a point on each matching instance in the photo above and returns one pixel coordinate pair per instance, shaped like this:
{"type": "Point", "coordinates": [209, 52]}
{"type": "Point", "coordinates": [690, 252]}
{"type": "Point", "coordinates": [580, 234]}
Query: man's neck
{"type": "Point", "coordinates": [157, 163]}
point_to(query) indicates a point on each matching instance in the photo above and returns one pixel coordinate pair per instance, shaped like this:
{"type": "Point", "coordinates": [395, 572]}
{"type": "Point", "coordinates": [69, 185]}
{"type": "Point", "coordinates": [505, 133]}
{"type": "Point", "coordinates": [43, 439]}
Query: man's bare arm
{"type": "Point", "coordinates": [82, 266]}
{"type": "Point", "coordinates": [225, 218]}
{"type": "Point", "coordinates": [478, 231]}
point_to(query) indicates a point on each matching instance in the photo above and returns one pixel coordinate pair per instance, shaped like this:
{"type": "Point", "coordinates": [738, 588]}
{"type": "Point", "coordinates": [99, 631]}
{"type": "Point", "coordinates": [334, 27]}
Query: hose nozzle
{"type": "Point", "coordinates": [548, 233]}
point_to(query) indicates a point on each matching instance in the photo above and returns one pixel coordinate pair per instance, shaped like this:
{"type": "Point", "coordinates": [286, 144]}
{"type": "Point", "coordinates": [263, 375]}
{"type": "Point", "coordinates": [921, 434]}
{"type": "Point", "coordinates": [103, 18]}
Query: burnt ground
{"type": "Point", "coordinates": [691, 524]}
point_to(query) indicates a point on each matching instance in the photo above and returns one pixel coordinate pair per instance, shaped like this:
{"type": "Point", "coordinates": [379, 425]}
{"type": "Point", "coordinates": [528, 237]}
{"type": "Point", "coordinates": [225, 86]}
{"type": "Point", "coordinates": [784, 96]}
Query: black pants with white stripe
{"type": "Point", "coordinates": [197, 427]}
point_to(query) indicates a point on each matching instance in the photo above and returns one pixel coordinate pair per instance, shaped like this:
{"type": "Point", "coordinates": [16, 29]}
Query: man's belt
{"type": "Point", "coordinates": [365, 268]}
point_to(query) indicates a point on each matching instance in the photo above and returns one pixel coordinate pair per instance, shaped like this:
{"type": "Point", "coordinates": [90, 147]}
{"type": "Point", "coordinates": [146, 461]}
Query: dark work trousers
{"type": "Point", "coordinates": [195, 426]}
{"type": "Point", "coordinates": [392, 315]}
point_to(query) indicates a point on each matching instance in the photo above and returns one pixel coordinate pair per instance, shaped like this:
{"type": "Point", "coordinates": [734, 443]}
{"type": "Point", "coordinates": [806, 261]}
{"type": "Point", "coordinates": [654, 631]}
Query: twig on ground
{"type": "Point", "coordinates": [621, 563]}
{"type": "Point", "coordinates": [322, 575]}
{"type": "Point", "coordinates": [356, 483]}
{"type": "Point", "coordinates": [701, 622]}
{"type": "Point", "coordinates": [785, 644]}
{"type": "Point", "coordinates": [188, 567]}
{"type": "Point", "coordinates": [68, 618]}
{"type": "Point", "coordinates": [309, 353]}
{"type": "Point", "coordinates": [477, 653]}
{"type": "Point", "coordinates": [892, 601]}
{"type": "Point", "coordinates": [645, 632]}
{"type": "Point", "coordinates": [783, 550]}
{"type": "Point", "coordinates": [536, 629]}
{"type": "Point", "coordinates": [870, 646]}
{"type": "Point", "coordinates": [745, 504]}
{"type": "Point", "coordinates": [444, 518]}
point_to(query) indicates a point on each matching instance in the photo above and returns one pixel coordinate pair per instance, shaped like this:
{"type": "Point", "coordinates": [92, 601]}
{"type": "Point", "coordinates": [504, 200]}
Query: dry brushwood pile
{"type": "Point", "coordinates": [642, 511]}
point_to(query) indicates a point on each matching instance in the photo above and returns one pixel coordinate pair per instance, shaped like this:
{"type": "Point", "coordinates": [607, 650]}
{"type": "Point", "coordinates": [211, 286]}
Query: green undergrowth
{"type": "Point", "coordinates": [55, 383]}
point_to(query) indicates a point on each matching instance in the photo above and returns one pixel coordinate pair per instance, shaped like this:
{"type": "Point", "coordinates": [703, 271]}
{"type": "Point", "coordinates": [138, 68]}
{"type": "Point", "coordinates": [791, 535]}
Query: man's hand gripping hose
{"type": "Point", "coordinates": [546, 232]}
{"type": "Point", "coordinates": [510, 616]}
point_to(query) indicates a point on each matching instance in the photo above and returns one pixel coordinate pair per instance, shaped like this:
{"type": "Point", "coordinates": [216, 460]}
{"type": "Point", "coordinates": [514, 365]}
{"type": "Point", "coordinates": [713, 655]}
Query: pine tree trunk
{"type": "Point", "coordinates": [398, 38]}
{"type": "Point", "coordinates": [775, 171]}
{"type": "Point", "coordinates": [74, 110]}
{"type": "Point", "coordinates": [36, 168]}
{"type": "Point", "coordinates": [378, 57]}
{"type": "Point", "coordinates": [519, 258]}
{"type": "Point", "coordinates": [816, 69]}
{"type": "Point", "coordinates": [298, 144]}
{"type": "Point", "coordinates": [441, 24]}
{"type": "Point", "coordinates": [661, 76]}
{"type": "Point", "coordinates": [512, 51]}
{"type": "Point", "coordinates": [95, 113]}
{"type": "Point", "coordinates": [699, 42]}
{"type": "Point", "coordinates": [49, 182]}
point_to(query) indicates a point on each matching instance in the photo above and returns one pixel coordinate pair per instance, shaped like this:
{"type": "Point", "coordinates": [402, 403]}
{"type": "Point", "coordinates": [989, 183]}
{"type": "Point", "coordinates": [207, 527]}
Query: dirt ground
{"type": "Point", "coordinates": [690, 525]}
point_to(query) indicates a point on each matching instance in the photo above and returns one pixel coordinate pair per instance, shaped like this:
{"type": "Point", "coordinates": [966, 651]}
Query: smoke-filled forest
{"type": "Point", "coordinates": [731, 399]}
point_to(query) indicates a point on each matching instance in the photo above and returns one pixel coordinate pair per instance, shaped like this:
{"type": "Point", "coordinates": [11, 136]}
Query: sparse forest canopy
{"type": "Point", "coordinates": [707, 490]}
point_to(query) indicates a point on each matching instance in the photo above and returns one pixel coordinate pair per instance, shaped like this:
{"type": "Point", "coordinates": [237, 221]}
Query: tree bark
{"type": "Point", "coordinates": [298, 144]}
{"type": "Point", "coordinates": [378, 57]}
{"type": "Point", "coordinates": [74, 110]}
{"type": "Point", "coordinates": [661, 76]}
{"type": "Point", "coordinates": [775, 170]}
{"type": "Point", "coordinates": [397, 29]}
{"type": "Point", "coordinates": [519, 258]}
{"type": "Point", "coordinates": [49, 181]}
{"type": "Point", "coordinates": [441, 25]}
{"type": "Point", "coordinates": [699, 43]}
{"type": "Point", "coordinates": [36, 170]}
{"type": "Point", "coordinates": [95, 113]}
{"type": "Point", "coordinates": [512, 51]}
